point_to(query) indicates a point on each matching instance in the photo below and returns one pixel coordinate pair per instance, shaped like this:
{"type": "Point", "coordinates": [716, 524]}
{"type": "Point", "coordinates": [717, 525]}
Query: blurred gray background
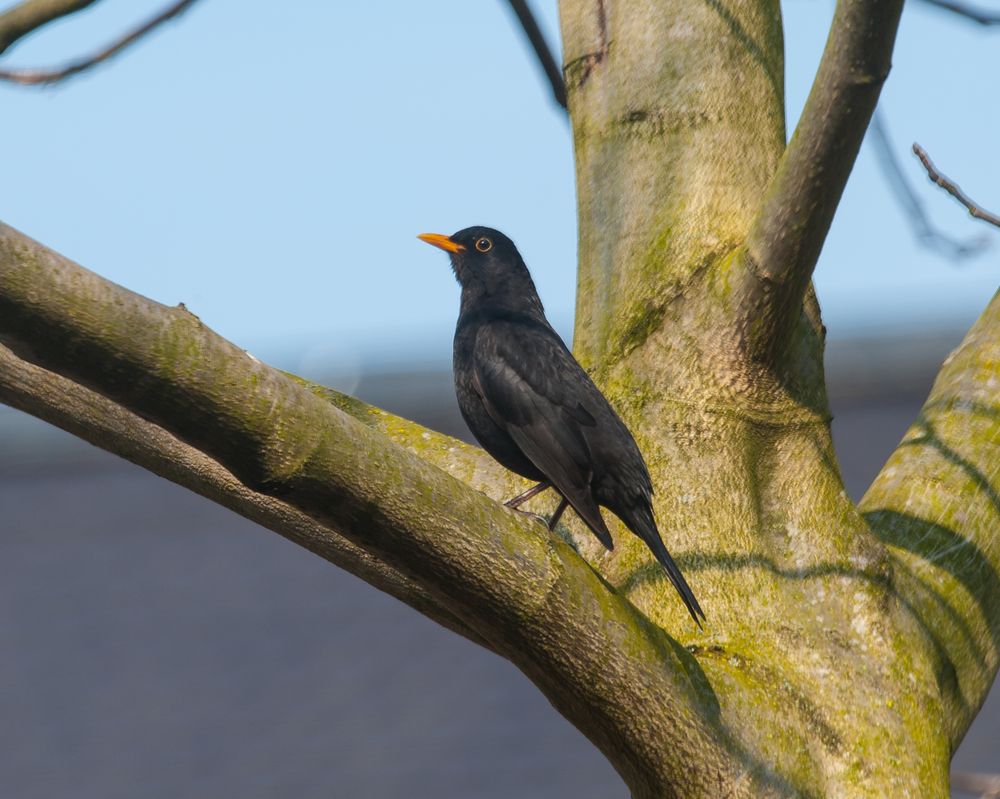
{"type": "Point", "coordinates": [155, 645]}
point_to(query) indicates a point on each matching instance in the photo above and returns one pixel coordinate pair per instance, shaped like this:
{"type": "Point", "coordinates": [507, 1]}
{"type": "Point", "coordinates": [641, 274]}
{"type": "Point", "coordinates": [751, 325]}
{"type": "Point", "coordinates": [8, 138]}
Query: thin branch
{"type": "Point", "coordinates": [974, 14]}
{"type": "Point", "coordinates": [527, 592]}
{"type": "Point", "coordinates": [913, 208]}
{"type": "Point", "coordinates": [788, 234]}
{"type": "Point", "coordinates": [41, 77]}
{"type": "Point", "coordinates": [542, 50]}
{"type": "Point", "coordinates": [974, 209]}
{"type": "Point", "coordinates": [29, 16]}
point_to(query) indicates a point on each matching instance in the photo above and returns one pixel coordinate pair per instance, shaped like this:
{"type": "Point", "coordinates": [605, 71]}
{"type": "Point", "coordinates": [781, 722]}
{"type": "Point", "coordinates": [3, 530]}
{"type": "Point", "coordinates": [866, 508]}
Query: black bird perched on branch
{"type": "Point", "coordinates": [534, 408]}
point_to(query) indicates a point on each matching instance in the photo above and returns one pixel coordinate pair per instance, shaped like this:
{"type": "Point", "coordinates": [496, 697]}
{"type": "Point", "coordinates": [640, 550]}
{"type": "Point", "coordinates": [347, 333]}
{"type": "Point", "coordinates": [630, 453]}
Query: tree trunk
{"type": "Point", "coordinates": [846, 651]}
{"type": "Point", "coordinates": [678, 114]}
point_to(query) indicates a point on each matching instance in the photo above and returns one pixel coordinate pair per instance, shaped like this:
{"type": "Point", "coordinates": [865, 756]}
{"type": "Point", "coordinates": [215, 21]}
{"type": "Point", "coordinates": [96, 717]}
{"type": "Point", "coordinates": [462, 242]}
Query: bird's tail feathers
{"type": "Point", "coordinates": [587, 509]}
{"type": "Point", "coordinates": [642, 524]}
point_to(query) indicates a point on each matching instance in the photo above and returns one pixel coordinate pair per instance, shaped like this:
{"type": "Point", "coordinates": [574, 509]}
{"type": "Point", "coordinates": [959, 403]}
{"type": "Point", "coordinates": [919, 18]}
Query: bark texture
{"type": "Point", "coordinates": [847, 650]}
{"type": "Point", "coordinates": [679, 133]}
{"type": "Point", "coordinates": [936, 507]}
{"type": "Point", "coordinates": [526, 593]}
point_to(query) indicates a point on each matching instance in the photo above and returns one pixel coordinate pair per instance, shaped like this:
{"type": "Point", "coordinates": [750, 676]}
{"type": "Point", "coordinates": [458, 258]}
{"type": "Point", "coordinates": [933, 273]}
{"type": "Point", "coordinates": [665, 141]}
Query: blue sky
{"type": "Point", "coordinates": [269, 165]}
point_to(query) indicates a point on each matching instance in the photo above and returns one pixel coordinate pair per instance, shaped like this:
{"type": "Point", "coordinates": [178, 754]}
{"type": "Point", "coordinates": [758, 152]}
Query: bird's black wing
{"type": "Point", "coordinates": [532, 388]}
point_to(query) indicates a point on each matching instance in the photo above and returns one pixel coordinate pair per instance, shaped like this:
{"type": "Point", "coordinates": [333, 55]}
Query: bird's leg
{"type": "Point", "coordinates": [559, 512]}
{"type": "Point", "coordinates": [520, 499]}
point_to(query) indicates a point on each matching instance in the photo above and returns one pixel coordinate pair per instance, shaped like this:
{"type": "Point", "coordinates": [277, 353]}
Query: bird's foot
{"type": "Point", "coordinates": [555, 516]}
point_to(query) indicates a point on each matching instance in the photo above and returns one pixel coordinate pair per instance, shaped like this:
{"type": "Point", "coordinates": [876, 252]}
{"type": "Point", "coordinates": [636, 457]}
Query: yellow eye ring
{"type": "Point", "coordinates": [484, 245]}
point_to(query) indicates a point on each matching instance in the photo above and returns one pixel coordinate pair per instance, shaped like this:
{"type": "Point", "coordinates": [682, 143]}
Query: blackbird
{"type": "Point", "coordinates": [533, 407]}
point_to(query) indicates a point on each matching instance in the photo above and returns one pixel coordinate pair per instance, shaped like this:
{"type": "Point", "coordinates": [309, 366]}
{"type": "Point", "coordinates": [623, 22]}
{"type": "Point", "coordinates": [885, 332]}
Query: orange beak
{"type": "Point", "coordinates": [441, 242]}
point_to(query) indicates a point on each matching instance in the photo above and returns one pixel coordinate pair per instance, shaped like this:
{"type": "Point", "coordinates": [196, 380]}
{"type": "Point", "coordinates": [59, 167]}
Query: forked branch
{"type": "Point", "coordinates": [528, 594]}
{"type": "Point", "coordinates": [786, 238]}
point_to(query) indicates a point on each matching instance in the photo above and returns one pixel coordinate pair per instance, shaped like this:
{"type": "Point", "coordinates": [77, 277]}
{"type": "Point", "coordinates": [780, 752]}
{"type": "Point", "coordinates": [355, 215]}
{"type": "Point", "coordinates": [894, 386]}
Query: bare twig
{"type": "Point", "coordinates": [913, 208]}
{"type": "Point", "coordinates": [985, 786]}
{"type": "Point", "coordinates": [545, 57]}
{"type": "Point", "coordinates": [974, 14]}
{"type": "Point", "coordinates": [786, 238]}
{"type": "Point", "coordinates": [31, 15]}
{"type": "Point", "coordinates": [952, 188]}
{"type": "Point", "coordinates": [39, 77]}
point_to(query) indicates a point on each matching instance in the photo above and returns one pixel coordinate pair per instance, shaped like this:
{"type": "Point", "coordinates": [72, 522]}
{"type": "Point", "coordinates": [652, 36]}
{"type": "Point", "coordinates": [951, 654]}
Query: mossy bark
{"type": "Point", "coordinates": [526, 594]}
{"type": "Point", "coordinates": [846, 650]}
{"type": "Point", "coordinates": [815, 657]}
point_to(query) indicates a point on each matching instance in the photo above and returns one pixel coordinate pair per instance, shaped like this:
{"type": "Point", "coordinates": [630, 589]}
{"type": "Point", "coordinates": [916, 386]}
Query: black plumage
{"type": "Point", "coordinates": [533, 407]}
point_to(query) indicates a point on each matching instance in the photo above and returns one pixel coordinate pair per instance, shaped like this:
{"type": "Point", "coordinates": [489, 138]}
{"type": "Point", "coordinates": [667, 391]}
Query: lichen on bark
{"type": "Point", "coordinates": [847, 650]}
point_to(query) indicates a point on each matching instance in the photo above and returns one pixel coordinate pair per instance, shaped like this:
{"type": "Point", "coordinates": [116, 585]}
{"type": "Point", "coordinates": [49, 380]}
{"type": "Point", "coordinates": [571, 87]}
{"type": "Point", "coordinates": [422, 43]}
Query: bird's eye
{"type": "Point", "coordinates": [484, 245]}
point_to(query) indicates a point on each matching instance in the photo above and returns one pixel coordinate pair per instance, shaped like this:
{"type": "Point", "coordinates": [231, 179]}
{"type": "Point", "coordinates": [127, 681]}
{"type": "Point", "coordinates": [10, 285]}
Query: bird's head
{"type": "Point", "coordinates": [481, 256]}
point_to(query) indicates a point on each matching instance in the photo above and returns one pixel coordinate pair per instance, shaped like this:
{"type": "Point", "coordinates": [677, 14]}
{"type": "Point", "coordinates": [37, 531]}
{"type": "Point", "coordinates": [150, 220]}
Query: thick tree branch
{"type": "Point", "coordinates": [936, 504]}
{"type": "Point", "coordinates": [791, 226]}
{"type": "Point", "coordinates": [912, 206]}
{"type": "Point", "coordinates": [39, 77]}
{"type": "Point", "coordinates": [975, 210]}
{"type": "Point", "coordinates": [536, 39]}
{"type": "Point", "coordinates": [96, 419]}
{"type": "Point", "coordinates": [678, 125]}
{"type": "Point", "coordinates": [22, 19]}
{"type": "Point", "coordinates": [622, 681]}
